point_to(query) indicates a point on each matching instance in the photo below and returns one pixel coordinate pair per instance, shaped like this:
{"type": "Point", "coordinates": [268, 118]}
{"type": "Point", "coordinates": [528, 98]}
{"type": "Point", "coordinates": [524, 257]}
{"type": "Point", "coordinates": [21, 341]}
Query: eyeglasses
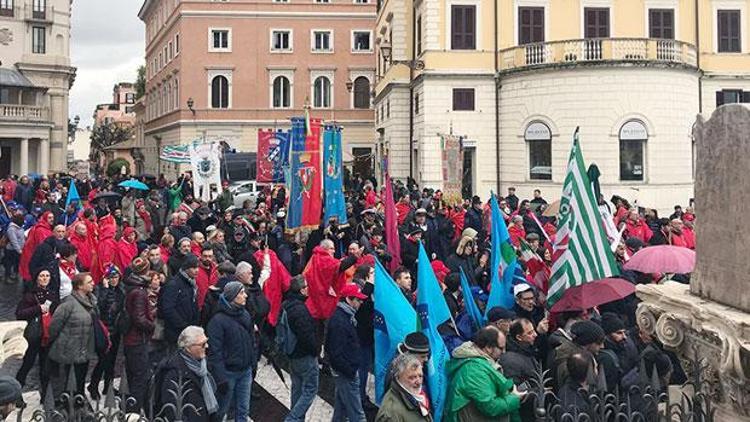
{"type": "Point", "coordinates": [202, 345]}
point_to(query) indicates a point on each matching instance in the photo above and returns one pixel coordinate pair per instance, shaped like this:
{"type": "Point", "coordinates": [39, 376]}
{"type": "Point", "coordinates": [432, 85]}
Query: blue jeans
{"type": "Point", "coordinates": [365, 363]}
{"type": "Point", "coordinates": [239, 390]}
{"type": "Point", "coordinates": [348, 405]}
{"type": "Point", "coordinates": [305, 373]}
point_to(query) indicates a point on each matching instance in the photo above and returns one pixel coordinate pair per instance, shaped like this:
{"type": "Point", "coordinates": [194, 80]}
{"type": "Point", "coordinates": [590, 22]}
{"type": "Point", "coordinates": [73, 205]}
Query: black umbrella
{"type": "Point", "coordinates": [107, 196]}
{"type": "Point", "coordinates": [146, 176]}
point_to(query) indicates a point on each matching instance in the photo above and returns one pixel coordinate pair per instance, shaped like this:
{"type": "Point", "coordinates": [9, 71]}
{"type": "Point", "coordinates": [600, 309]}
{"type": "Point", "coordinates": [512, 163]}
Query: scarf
{"type": "Point", "coordinates": [420, 400]}
{"type": "Point", "coordinates": [69, 268]}
{"type": "Point", "coordinates": [146, 217]}
{"type": "Point", "coordinates": [349, 311]}
{"type": "Point", "coordinates": [191, 281]}
{"type": "Point", "coordinates": [208, 385]}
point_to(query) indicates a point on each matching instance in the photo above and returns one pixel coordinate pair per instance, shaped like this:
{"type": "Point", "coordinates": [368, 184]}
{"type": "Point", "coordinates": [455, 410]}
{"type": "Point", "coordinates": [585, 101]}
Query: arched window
{"type": "Point", "coordinates": [281, 92]}
{"type": "Point", "coordinates": [361, 92]}
{"type": "Point", "coordinates": [219, 92]}
{"type": "Point", "coordinates": [322, 92]}
{"type": "Point", "coordinates": [539, 139]}
{"type": "Point", "coordinates": [633, 137]}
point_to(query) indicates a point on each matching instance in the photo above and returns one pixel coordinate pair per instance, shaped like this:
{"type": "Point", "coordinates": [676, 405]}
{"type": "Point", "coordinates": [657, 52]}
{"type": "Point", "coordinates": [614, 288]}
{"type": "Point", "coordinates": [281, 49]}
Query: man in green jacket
{"type": "Point", "coordinates": [478, 391]}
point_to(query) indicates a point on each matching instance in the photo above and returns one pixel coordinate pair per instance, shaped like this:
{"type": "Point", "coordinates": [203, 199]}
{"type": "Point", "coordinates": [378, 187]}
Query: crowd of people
{"type": "Point", "coordinates": [193, 293]}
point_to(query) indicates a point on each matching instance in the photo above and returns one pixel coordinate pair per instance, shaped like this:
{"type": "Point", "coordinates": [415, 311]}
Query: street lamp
{"type": "Point", "coordinates": [386, 49]}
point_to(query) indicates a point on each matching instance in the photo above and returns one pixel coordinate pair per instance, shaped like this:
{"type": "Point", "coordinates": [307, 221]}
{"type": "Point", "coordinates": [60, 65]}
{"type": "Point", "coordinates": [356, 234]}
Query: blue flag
{"type": "Point", "coordinates": [394, 318]}
{"type": "Point", "coordinates": [433, 311]}
{"type": "Point", "coordinates": [73, 195]}
{"type": "Point", "coordinates": [469, 304]}
{"type": "Point", "coordinates": [333, 177]}
{"type": "Point", "coordinates": [502, 256]}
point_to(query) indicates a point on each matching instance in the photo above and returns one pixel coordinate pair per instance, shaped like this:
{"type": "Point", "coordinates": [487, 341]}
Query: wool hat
{"type": "Point", "coordinates": [191, 261]}
{"type": "Point", "coordinates": [586, 332]}
{"type": "Point", "coordinates": [611, 323]}
{"type": "Point", "coordinates": [415, 342]}
{"type": "Point", "coordinates": [498, 312]}
{"type": "Point", "coordinates": [10, 390]}
{"type": "Point", "coordinates": [140, 265]}
{"type": "Point", "coordinates": [232, 289]}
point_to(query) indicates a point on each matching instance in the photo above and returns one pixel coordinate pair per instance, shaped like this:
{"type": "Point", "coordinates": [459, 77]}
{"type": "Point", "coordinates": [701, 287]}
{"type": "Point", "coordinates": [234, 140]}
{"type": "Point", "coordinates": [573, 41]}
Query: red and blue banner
{"type": "Point", "coordinates": [305, 178]}
{"type": "Point", "coordinates": [333, 177]}
{"type": "Point", "coordinates": [273, 155]}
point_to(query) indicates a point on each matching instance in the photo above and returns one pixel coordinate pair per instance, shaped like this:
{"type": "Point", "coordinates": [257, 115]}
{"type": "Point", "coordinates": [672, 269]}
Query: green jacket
{"type": "Point", "coordinates": [477, 388]}
{"type": "Point", "coordinates": [398, 406]}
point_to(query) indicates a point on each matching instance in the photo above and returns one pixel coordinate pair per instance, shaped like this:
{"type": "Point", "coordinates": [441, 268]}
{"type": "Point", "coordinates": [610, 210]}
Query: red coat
{"type": "Point", "coordinates": [639, 230]}
{"type": "Point", "coordinates": [206, 277]}
{"type": "Point", "coordinates": [402, 211]}
{"type": "Point", "coordinates": [275, 286]}
{"type": "Point", "coordinates": [195, 248]}
{"type": "Point", "coordinates": [458, 222]}
{"type": "Point", "coordinates": [9, 189]}
{"type": "Point", "coordinates": [37, 234]}
{"type": "Point", "coordinates": [678, 240]}
{"type": "Point", "coordinates": [85, 248]}
{"type": "Point", "coordinates": [105, 249]}
{"type": "Point", "coordinates": [371, 199]}
{"type": "Point", "coordinates": [689, 236]}
{"type": "Point", "coordinates": [324, 283]}
{"type": "Point", "coordinates": [165, 253]}
{"type": "Point", "coordinates": [516, 234]}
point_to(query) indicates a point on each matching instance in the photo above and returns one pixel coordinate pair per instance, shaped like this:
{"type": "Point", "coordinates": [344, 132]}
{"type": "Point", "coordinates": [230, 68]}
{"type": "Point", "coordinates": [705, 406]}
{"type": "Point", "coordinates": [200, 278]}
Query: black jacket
{"type": "Point", "coordinates": [519, 361]}
{"type": "Point", "coordinates": [302, 325]}
{"type": "Point", "coordinates": [573, 398]}
{"type": "Point", "coordinates": [364, 316]}
{"type": "Point", "coordinates": [231, 341]}
{"type": "Point", "coordinates": [45, 258]}
{"type": "Point", "coordinates": [170, 374]}
{"type": "Point", "coordinates": [473, 219]}
{"type": "Point", "coordinates": [409, 254]}
{"type": "Point", "coordinates": [343, 349]}
{"type": "Point", "coordinates": [177, 306]}
{"type": "Point", "coordinates": [111, 302]}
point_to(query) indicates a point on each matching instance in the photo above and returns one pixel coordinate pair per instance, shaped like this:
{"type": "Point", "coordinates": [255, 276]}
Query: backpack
{"type": "Point", "coordinates": [285, 338]}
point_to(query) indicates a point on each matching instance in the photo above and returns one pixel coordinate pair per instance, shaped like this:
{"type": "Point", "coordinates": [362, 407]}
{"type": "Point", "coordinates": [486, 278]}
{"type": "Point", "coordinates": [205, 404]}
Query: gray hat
{"type": "Point", "coordinates": [191, 261]}
{"type": "Point", "coordinates": [10, 390]}
{"type": "Point", "coordinates": [232, 289]}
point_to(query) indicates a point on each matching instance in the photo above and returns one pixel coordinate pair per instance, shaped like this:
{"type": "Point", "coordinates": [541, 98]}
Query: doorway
{"type": "Point", "coordinates": [5, 158]}
{"type": "Point", "coordinates": [363, 162]}
{"type": "Point", "coordinates": [467, 184]}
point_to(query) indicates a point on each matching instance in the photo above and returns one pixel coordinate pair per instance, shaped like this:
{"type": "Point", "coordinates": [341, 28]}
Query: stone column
{"type": "Point", "coordinates": [43, 156]}
{"type": "Point", "coordinates": [24, 157]}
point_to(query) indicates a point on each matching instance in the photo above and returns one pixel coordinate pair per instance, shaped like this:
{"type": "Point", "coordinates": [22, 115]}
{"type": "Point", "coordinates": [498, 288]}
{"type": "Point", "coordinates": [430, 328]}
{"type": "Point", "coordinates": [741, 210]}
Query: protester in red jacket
{"type": "Point", "coordinates": [207, 276]}
{"type": "Point", "coordinates": [325, 278]}
{"type": "Point", "coordinates": [127, 249]}
{"type": "Point", "coordinates": [37, 234]}
{"type": "Point", "coordinates": [636, 227]}
{"type": "Point", "coordinates": [516, 231]}
{"type": "Point", "coordinates": [105, 249]}
{"type": "Point", "coordinates": [79, 237]}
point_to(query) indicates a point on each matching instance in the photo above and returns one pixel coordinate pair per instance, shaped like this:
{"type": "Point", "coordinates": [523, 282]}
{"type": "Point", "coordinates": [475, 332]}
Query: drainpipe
{"type": "Point", "coordinates": [411, 93]}
{"type": "Point", "coordinates": [698, 57]}
{"type": "Point", "coordinates": [497, 105]}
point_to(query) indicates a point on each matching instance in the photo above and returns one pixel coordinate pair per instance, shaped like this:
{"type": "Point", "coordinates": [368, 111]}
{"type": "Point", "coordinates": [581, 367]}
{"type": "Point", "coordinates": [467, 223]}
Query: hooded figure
{"type": "Point", "coordinates": [37, 235]}
{"type": "Point", "coordinates": [127, 249]}
{"type": "Point", "coordinates": [106, 248]}
{"type": "Point", "coordinates": [79, 237]}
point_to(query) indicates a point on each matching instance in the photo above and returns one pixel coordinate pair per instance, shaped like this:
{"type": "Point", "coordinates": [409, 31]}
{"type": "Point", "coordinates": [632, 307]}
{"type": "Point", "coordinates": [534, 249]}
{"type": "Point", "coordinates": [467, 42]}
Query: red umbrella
{"type": "Point", "coordinates": [663, 259]}
{"type": "Point", "coordinates": [594, 293]}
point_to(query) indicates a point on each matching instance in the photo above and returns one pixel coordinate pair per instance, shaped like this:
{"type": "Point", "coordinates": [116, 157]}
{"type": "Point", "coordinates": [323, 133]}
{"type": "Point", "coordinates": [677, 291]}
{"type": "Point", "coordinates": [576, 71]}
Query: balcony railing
{"type": "Point", "coordinates": [44, 15]}
{"type": "Point", "coordinates": [22, 113]}
{"type": "Point", "coordinates": [597, 50]}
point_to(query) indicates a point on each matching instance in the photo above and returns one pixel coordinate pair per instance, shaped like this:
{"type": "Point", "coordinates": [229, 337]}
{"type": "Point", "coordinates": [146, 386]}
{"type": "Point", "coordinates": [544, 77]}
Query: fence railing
{"type": "Point", "coordinates": [23, 113]}
{"type": "Point", "coordinates": [597, 50]}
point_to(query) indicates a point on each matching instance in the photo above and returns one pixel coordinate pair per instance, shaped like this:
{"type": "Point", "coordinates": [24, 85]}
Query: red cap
{"type": "Point", "coordinates": [351, 290]}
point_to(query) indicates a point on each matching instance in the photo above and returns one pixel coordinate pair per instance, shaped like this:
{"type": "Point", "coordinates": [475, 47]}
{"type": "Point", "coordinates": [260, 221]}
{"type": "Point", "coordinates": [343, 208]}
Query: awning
{"type": "Point", "coordinates": [12, 77]}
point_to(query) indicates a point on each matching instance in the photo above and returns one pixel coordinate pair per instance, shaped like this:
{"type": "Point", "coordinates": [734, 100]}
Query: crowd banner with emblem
{"type": "Point", "coordinates": [333, 178]}
{"type": "Point", "coordinates": [453, 167]}
{"type": "Point", "coordinates": [206, 163]}
{"type": "Point", "coordinates": [176, 154]}
{"type": "Point", "coordinates": [273, 148]}
{"type": "Point", "coordinates": [305, 178]}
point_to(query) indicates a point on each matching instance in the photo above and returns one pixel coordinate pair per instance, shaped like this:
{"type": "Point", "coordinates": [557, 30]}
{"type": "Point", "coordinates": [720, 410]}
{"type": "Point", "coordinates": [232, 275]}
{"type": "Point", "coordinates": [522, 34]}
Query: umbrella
{"type": "Point", "coordinates": [107, 195]}
{"type": "Point", "coordinates": [146, 176]}
{"type": "Point", "coordinates": [134, 184]}
{"type": "Point", "coordinates": [552, 209]}
{"type": "Point", "coordinates": [595, 293]}
{"type": "Point", "coordinates": [662, 259]}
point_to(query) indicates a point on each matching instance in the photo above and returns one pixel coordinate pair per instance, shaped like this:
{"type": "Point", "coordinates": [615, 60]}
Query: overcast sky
{"type": "Point", "coordinates": [106, 47]}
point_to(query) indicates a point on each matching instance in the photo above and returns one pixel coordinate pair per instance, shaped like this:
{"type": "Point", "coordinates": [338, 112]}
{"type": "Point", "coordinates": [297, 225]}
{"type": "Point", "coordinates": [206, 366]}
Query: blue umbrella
{"type": "Point", "coordinates": [133, 184]}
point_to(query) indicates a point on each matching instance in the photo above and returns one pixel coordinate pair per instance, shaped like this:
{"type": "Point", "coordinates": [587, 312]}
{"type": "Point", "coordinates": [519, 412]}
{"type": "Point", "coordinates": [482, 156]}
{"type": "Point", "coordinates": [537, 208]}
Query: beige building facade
{"type": "Point", "coordinates": [35, 78]}
{"type": "Point", "coordinates": [514, 78]}
{"type": "Point", "coordinates": [219, 71]}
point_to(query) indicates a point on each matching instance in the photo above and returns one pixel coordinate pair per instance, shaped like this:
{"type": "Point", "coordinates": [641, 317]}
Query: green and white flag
{"type": "Point", "coordinates": [581, 250]}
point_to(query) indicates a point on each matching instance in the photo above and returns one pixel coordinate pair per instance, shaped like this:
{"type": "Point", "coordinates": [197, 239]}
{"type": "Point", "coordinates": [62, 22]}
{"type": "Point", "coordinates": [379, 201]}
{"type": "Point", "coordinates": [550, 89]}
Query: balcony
{"type": "Point", "coordinates": [597, 51]}
{"type": "Point", "coordinates": [22, 113]}
{"type": "Point", "coordinates": [43, 16]}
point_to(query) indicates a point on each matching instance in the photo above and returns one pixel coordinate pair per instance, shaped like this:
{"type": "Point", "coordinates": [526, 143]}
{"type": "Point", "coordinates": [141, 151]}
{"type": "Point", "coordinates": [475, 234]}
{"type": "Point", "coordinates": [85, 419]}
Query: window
{"type": "Point", "coordinates": [463, 27]}
{"type": "Point", "coordinates": [633, 137]}
{"type": "Point", "coordinates": [219, 40]}
{"type": "Point", "coordinates": [729, 31]}
{"type": "Point", "coordinates": [281, 40]}
{"type": "Point", "coordinates": [530, 25]}
{"type": "Point", "coordinates": [361, 40]}
{"type": "Point", "coordinates": [463, 99]}
{"type": "Point", "coordinates": [39, 9]}
{"type": "Point", "coordinates": [6, 7]}
{"type": "Point", "coordinates": [39, 42]}
{"type": "Point", "coordinates": [361, 1]}
{"type": "Point", "coordinates": [177, 44]}
{"type": "Point", "coordinates": [419, 35]}
{"type": "Point", "coordinates": [539, 140]}
{"type": "Point", "coordinates": [220, 92]}
{"type": "Point", "coordinates": [322, 1]}
{"type": "Point", "coordinates": [361, 92]}
{"type": "Point", "coordinates": [281, 1]}
{"type": "Point", "coordinates": [321, 41]}
{"type": "Point", "coordinates": [416, 103]}
{"type": "Point", "coordinates": [281, 92]}
{"type": "Point", "coordinates": [171, 50]}
{"type": "Point", "coordinates": [129, 98]}
{"type": "Point", "coordinates": [731, 96]}
{"type": "Point", "coordinates": [176, 94]}
{"type": "Point", "coordinates": [661, 23]}
{"type": "Point", "coordinates": [596, 22]}
{"type": "Point", "coordinates": [322, 92]}
{"type": "Point", "coordinates": [388, 109]}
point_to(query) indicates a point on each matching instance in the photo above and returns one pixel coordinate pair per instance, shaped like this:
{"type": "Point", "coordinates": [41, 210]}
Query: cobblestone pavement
{"type": "Point", "coordinates": [270, 405]}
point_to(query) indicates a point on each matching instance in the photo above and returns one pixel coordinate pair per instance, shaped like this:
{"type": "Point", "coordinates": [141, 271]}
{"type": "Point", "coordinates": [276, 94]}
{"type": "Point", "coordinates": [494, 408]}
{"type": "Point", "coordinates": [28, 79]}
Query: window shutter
{"type": "Point", "coordinates": [746, 96]}
{"type": "Point", "coordinates": [469, 27]}
{"type": "Point", "coordinates": [456, 35]}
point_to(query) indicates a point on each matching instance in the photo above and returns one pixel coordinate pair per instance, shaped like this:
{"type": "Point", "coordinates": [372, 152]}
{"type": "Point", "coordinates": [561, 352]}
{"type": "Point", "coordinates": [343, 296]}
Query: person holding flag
{"type": "Point", "coordinates": [503, 260]}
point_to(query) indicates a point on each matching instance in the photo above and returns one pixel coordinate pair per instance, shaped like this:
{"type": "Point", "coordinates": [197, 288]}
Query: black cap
{"type": "Point", "coordinates": [191, 261]}
{"type": "Point", "coordinates": [476, 200]}
{"type": "Point", "coordinates": [611, 323]}
{"type": "Point", "coordinates": [587, 332]}
{"type": "Point", "coordinates": [498, 312]}
{"type": "Point", "coordinates": [415, 342]}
